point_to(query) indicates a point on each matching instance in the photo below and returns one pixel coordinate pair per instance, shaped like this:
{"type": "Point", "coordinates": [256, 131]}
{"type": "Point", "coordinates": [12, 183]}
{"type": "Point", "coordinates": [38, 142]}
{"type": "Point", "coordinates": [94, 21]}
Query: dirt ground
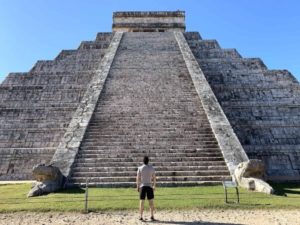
{"type": "Point", "coordinates": [192, 217]}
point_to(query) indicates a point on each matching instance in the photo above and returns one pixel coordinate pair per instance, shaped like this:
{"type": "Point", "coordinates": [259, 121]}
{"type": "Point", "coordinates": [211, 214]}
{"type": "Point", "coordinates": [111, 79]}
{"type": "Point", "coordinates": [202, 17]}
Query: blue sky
{"type": "Point", "coordinates": [33, 29]}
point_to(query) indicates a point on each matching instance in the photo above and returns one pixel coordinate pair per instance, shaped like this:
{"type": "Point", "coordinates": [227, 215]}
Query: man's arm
{"type": "Point", "coordinates": [153, 181]}
{"type": "Point", "coordinates": [138, 180]}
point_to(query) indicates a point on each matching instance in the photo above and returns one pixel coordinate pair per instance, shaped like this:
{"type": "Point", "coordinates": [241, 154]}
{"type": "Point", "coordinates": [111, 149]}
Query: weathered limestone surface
{"type": "Point", "coordinates": [36, 107]}
{"type": "Point", "coordinates": [230, 146]}
{"type": "Point", "coordinates": [261, 105]}
{"type": "Point", "coordinates": [48, 179]}
{"type": "Point", "coordinates": [68, 147]}
{"type": "Point", "coordinates": [250, 175]}
{"type": "Point", "coordinates": [149, 21]}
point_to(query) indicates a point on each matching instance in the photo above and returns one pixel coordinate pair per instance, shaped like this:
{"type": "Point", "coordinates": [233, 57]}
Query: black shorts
{"type": "Point", "coordinates": [146, 191]}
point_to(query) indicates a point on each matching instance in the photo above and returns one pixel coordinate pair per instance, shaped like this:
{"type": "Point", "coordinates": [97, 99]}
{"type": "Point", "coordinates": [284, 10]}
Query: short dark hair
{"type": "Point", "coordinates": [146, 160]}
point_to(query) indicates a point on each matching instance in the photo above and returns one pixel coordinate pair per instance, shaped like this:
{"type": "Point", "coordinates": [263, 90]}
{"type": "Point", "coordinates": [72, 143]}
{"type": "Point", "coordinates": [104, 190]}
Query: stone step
{"type": "Point", "coordinates": [175, 133]}
{"type": "Point", "coordinates": [95, 135]}
{"type": "Point", "coordinates": [157, 168]}
{"type": "Point", "coordinates": [132, 115]}
{"type": "Point", "coordinates": [172, 133]}
{"type": "Point", "coordinates": [158, 173]}
{"type": "Point", "coordinates": [133, 184]}
{"type": "Point", "coordinates": [200, 128]}
{"type": "Point", "coordinates": [154, 159]}
{"type": "Point", "coordinates": [141, 127]}
{"type": "Point", "coordinates": [174, 104]}
{"type": "Point", "coordinates": [148, 122]}
{"type": "Point", "coordinates": [176, 148]}
{"type": "Point", "coordinates": [153, 138]}
{"type": "Point", "coordinates": [207, 144]}
{"type": "Point", "coordinates": [148, 151]}
{"type": "Point", "coordinates": [159, 179]}
{"type": "Point", "coordinates": [155, 163]}
{"type": "Point", "coordinates": [150, 146]}
{"type": "Point", "coordinates": [151, 120]}
{"type": "Point", "coordinates": [112, 154]}
{"type": "Point", "coordinates": [145, 119]}
{"type": "Point", "coordinates": [94, 142]}
{"type": "Point", "coordinates": [143, 138]}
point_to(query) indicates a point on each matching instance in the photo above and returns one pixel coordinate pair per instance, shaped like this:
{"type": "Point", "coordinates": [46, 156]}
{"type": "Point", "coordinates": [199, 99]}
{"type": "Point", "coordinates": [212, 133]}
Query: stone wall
{"type": "Point", "coordinates": [36, 107]}
{"type": "Point", "coordinates": [262, 105]}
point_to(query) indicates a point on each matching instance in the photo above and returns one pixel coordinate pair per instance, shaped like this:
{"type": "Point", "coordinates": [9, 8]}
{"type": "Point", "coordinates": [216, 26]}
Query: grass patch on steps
{"type": "Point", "coordinates": [13, 198]}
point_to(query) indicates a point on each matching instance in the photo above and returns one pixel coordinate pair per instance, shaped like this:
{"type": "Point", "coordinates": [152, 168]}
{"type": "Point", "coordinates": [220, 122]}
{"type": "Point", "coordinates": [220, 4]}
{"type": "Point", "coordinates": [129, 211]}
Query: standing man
{"type": "Point", "coordinates": [145, 184]}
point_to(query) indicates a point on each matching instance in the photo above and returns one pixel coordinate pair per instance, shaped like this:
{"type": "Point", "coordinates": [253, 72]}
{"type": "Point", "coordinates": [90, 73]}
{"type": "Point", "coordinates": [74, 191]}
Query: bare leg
{"type": "Point", "coordinates": [142, 207]}
{"type": "Point", "coordinates": [151, 204]}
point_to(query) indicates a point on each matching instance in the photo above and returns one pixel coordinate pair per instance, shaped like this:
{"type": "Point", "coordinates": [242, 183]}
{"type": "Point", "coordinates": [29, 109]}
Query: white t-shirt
{"type": "Point", "coordinates": [146, 172]}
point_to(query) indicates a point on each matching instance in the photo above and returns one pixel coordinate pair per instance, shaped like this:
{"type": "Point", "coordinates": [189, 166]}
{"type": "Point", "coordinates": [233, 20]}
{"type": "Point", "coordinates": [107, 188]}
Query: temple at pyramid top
{"type": "Point", "coordinates": [155, 21]}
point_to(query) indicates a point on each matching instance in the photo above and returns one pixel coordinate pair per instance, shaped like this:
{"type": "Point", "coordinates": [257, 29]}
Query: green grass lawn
{"type": "Point", "coordinates": [13, 198]}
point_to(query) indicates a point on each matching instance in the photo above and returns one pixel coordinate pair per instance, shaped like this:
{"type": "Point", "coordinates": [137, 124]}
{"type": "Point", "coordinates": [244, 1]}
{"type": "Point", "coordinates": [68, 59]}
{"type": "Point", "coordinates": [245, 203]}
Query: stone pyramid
{"type": "Point", "coordinates": [149, 88]}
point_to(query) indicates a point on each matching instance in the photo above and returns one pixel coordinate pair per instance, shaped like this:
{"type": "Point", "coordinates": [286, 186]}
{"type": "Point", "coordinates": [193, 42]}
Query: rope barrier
{"type": "Point", "coordinates": [129, 195]}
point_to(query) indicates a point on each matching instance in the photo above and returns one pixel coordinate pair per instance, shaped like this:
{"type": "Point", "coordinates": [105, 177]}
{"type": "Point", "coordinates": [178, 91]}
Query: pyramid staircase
{"type": "Point", "coordinates": [149, 106]}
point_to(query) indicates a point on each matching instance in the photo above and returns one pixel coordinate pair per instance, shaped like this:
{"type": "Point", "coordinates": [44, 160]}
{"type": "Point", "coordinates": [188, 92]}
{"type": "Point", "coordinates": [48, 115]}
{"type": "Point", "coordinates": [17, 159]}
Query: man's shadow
{"type": "Point", "coordinates": [285, 189]}
{"type": "Point", "coordinates": [189, 223]}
